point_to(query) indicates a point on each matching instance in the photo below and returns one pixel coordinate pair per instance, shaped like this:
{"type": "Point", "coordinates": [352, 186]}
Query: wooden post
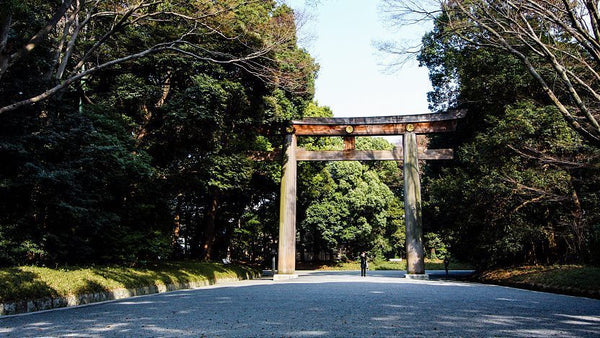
{"type": "Point", "coordinates": [286, 266]}
{"type": "Point", "coordinates": [349, 143]}
{"type": "Point", "coordinates": [415, 259]}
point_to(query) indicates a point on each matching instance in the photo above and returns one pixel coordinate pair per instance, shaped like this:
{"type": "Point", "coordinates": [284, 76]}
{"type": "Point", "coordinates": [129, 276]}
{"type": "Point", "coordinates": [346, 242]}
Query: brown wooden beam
{"type": "Point", "coordinates": [436, 154]}
{"type": "Point", "coordinates": [374, 129]}
{"type": "Point", "coordinates": [370, 155]}
{"type": "Point", "coordinates": [374, 120]}
{"type": "Point", "coordinates": [357, 155]}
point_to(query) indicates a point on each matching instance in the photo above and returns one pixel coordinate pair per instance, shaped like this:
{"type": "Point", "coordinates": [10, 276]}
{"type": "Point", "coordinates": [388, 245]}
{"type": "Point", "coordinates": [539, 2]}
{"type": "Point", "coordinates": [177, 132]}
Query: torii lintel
{"type": "Point", "coordinates": [376, 125]}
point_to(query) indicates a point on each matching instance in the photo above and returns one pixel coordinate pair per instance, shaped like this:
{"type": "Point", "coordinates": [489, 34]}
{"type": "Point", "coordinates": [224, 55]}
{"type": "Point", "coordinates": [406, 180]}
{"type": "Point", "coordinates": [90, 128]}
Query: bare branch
{"type": "Point", "coordinates": [533, 154]}
{"type": "Point", "coordinates": [258, 58]}
{"type": "Point", "coordinates": [39, 36]}
{"type": "Point", "coordinates": [76, 28]}
{"type": "Point", "coordinates": [46, 94]}
{"type": "Point", "coordinates": [5, 22]}
{"type": "Point", "coordinates": [533, 194]}
{"type": "Point", "coordinates": [108, 34]}
{"type": "Point", "coordinates": [537, 27]}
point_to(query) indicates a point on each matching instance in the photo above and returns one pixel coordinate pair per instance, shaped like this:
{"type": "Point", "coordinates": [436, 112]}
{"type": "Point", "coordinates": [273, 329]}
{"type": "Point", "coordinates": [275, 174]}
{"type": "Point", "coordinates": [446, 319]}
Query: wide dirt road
{"type": "Point", "coordinates": [340, 304]}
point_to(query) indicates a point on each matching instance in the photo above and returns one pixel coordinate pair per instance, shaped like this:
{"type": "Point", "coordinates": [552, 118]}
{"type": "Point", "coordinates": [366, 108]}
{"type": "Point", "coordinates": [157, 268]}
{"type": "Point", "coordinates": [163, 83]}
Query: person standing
{"type": "Point", "coordinates": [363, 264]}
{"type": "Point", "coordinates": [446, 262]}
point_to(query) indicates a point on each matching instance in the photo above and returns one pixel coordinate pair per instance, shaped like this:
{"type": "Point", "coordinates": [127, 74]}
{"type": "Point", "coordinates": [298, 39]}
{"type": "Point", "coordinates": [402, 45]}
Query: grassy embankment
{"type": "Point", "coordinates": [430, 264]}
{"type": "Point", "coordinates": [576, 280]}
{"type": "Point", "coordinates": [28, 282]}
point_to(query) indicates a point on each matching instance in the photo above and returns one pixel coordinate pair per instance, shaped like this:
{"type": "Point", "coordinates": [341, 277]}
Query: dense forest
{"type": "Point", "coordinates": [525, 185]}
{"type": "Point", "coordinates": [126, 129]}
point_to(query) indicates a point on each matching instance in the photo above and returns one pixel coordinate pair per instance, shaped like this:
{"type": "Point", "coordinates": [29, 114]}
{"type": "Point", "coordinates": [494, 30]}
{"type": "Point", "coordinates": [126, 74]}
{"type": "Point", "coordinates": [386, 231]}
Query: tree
{"type": "Point", "coordinates": [75, 190]}
{"type": "Point", "coordinates": [85, 37]}
{"type": "Point", "coordinates": [346, 207]}
{"type": "Point", "coordinates": [555, 41]}
{"type": "Point", "coordinates": [353, 211]}
{"type": "Point", "coordinates": [522, 179]}
{"type": "Point", "coordinates": [145, 159]}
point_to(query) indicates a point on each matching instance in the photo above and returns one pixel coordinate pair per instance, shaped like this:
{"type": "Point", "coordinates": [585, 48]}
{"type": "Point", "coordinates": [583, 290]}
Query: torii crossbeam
{"type": "Point", "coordinates": [408, 126]}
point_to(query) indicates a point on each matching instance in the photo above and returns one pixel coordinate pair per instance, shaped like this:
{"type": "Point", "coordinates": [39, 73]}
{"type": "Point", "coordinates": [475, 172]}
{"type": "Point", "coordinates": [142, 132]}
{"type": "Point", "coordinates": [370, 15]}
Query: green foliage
{"type": "Point", "coordinates": [594, 243]}
{"type": "Point", "coordinates": [147, 160]}
{"type": "Point", "coordinates": [434, 246]}
{"type": "Point", "coordinates": [346, 207]}
{"type": "Point", "coordinates": [81, 185]}
{"type": "Point", "coordinates": [522, 181]}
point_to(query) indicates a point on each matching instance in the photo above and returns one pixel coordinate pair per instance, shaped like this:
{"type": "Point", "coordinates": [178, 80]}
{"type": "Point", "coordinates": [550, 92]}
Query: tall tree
{"type": "Point", "coordinates": [144, 155]}
{"type": "Point", "coordinates": [346, 207]}
{"type": "Point", "coordinates": [85, 37]}
{"type": "Point", "coordinates": [555, 41]}
{"type": "Point", "coordinates": [515, 194]}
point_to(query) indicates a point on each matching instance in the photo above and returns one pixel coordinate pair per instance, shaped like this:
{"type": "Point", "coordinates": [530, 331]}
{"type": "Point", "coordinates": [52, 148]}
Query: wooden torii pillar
{"type": "Point", "coordinates": [408, 126]}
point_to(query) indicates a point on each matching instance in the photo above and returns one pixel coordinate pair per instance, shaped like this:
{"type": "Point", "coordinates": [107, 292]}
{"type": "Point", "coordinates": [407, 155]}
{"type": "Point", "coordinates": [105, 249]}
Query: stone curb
{"type": "Point", "coordinates": [24, 306]}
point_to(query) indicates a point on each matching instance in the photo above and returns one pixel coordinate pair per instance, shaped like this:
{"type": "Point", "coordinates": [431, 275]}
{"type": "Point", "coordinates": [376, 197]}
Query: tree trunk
{"type": "Point", "coordinates": [209, 230]}
{"type": "Point", "coordinates": [39, 36]}
{"type": "Point", "coordinates": [5, 21]}
{"type": "Point", "coordinates": [578, 222]}
{"type": "Point", "coordinates": [166, 89]}
{"type": "Point", "coordinates": [176, 229]}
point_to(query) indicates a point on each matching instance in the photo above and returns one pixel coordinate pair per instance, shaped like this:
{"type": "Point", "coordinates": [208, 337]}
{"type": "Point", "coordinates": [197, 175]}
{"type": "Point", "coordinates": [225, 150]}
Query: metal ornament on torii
{"type": "Point", "coordinates": [408, 126]}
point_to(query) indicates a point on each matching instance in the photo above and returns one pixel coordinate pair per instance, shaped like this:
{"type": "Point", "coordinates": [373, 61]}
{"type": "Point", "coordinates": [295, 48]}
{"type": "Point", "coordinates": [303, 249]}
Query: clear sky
{"type": "Point", "coordinates": [352, 80]}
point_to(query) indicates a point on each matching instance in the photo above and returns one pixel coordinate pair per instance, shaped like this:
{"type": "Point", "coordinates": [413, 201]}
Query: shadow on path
{"type": "Point", "coordinates": [326, 304]}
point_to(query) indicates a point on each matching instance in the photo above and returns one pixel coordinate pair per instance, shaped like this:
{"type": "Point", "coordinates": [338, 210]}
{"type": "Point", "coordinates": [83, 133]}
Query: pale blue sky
{"type": "Point", "coordinates": [352, 80]}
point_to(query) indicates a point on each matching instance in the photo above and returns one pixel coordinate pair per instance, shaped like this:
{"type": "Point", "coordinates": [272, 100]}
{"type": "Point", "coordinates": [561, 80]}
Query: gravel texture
{"type": "Point", "coordinates": [338, 304]}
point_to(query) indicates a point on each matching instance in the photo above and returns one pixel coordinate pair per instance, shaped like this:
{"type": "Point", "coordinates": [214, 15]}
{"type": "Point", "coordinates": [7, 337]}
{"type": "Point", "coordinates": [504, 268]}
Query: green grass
{"type": "Point", "coordinates": [430, 264]}
{"type": "Point", "coordinates": [29, 282]}
{"type": "Point", "coordinates": [569, 279]}
{"type": "Point", "coordinates": [573, 279]}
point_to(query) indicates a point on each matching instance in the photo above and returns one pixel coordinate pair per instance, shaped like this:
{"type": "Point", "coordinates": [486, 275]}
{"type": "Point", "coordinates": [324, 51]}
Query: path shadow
{"type": "Point", "coordinates": [338, 309]}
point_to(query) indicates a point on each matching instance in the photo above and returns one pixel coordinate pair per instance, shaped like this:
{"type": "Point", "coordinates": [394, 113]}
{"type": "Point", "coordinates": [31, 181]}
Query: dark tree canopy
{"type": "Point", "coordinates": [126, 128]}
{"type": "Point", "coordinates": [127, 125]}
{"type": "Point", "coordinates": [524, 187]}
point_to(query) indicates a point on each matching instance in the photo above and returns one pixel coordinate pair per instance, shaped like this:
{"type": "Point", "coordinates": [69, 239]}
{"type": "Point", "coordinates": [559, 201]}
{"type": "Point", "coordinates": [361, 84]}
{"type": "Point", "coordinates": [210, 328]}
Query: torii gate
{"type": "Point", "coordinates": [408, 126]}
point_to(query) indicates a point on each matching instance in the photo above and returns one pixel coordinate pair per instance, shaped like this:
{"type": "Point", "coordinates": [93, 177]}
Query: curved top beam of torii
{"type": "Point", "coordinates": [351, 127]}
{"type": "Point", "coordinates": [377, 125]}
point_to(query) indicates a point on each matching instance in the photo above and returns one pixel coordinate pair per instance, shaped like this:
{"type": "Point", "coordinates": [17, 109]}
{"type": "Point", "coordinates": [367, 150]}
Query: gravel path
{"type": "Point", "coordinates": [340, 304]}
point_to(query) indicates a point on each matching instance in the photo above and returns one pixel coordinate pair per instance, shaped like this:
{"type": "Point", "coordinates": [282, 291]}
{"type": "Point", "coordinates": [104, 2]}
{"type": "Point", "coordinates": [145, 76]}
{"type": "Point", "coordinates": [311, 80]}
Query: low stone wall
{"type": "Point", "coordinates": [11, 308]}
